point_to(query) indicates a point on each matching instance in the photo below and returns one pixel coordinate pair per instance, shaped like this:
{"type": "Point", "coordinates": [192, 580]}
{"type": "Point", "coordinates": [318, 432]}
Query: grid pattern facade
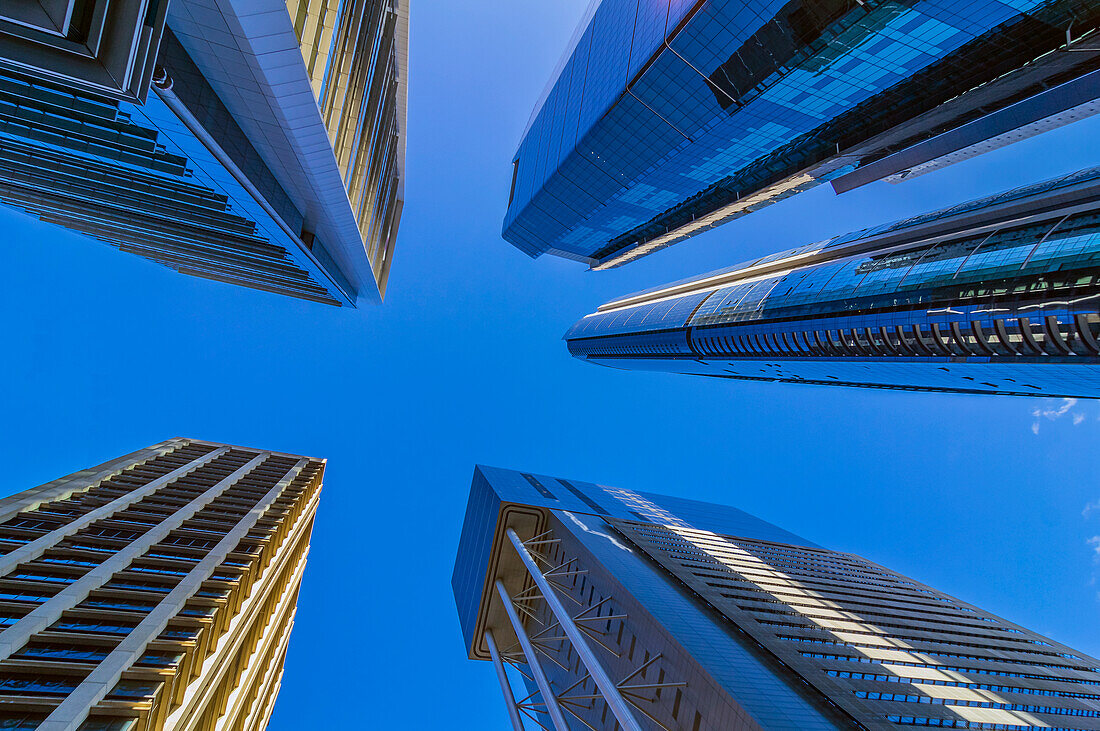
{"type": "Point", "coordinates": [888, 650]}
{"type": "Point", "coordinates": [668, 118]}
{"type": "Point", "coordinates": [987, 298]}
{"type": "Point", "coordinates": [644, 612]}
{"type": "Point", "coordinates": [156, 592]}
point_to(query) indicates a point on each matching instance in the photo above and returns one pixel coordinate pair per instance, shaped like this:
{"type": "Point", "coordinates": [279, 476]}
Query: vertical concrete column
{"type": "Point", "coordinates": [73, 710]}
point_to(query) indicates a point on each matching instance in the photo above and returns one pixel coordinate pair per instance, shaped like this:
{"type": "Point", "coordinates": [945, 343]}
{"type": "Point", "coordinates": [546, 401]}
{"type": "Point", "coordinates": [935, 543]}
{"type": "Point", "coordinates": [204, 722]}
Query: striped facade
{"type": "Point", "coordinates": [155, 591]}
{"type": "Point", "coordinates": [604, 608]}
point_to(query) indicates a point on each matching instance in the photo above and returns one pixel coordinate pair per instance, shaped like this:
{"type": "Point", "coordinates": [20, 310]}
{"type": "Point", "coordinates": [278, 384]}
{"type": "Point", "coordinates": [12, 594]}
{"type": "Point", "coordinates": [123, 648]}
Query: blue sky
{"type": "Point", "coordinates": [106, 353]}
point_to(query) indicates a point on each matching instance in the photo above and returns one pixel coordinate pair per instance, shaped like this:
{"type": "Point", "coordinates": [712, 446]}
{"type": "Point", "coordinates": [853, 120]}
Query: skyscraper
{"type": "Point", "coordinates": [640, 611]}
{"type": "Point", "coordinates": [154, 591]}
{"type": "Point", "coordinates": [667, 118]}
{"type": "Point", "coordinates": [997, 295]}
{"type": "Point", "coordinates": [268, 154]}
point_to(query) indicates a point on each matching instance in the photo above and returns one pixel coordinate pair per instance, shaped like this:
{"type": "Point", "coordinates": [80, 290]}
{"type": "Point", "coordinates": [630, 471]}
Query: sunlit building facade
{"type": "Point", "coordinates": [999, 295]}
{"type": "Point", "coordinates": [215, 157]}
{"type": "Point", "coordinates": [665, 119]}
{"type": "Point", "coordinates": [604, 608]}
{"type": "Point", "coordinates": [154, 591]}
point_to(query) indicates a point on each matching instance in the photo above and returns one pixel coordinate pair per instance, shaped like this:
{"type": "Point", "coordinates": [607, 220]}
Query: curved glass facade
{"type": "Point", "coordinates": [668, 118]}
{"type": "Point", "coordinates": [1016, 283]}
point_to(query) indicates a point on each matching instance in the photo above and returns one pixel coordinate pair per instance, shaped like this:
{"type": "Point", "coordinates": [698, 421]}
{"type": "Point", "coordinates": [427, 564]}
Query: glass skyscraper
{"type": "Point", "coordinates": [670, 117]}
{"type": "Point", "coordinates": [998, 295]}
{"type": "Point", "coordinates": [631, 610]}
{"type": "Point", "coordinates": [268, 152]}
{"type": "Point", "coordinates": [154, 591]}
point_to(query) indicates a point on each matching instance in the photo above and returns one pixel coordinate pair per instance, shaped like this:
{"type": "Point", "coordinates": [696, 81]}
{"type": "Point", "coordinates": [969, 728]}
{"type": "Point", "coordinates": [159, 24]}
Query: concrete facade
{"type": "Point", "coordinates": [156, 591]}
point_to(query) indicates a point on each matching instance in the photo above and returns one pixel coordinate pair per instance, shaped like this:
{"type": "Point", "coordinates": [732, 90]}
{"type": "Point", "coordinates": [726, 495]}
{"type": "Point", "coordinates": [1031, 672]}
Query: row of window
{"type": "Point", "coordinates": [960, 723]}
{"type": "Point", "coordinates": [1016, 337]}
{"type": "Point", "coordinates": [923, 651]}
{"type": "Point", "coordinates": [950, 641]}
{"type": "Point", "coordinates": [895, 609]}
{"type": "Point", "coordinates": [980, 671]}
{"type": "Point", "coordinates": [810, 583]}
{"type": "Point", "coordinates": [905, 698]}
{"type": "Point", "coordinates": [960, 684]}
{"type": "Point", "coordinates": [1041, 336]}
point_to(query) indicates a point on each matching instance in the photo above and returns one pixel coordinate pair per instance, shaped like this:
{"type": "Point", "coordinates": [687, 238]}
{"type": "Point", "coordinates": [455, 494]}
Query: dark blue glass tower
{"type": "Point", "coordinates": [669, 117]}
{"type": "Point", "coordinates": [627, 610]}
{"type": "Point", "coordinates": [998, 295]}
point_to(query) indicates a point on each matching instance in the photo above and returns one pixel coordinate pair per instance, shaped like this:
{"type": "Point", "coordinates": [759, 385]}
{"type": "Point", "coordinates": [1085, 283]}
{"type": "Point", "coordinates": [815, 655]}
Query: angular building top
{"type": "Point", "coordinates": [996, 295]}
{"type": "Point", "coordinates": [154, 591]}
{"type": "Point", "coordinates": [100, 47]}
{"type": "Point", "coordinates": [496, 492]}
{"type": "Point", "coordinates": [638, 611]}
{"type": "Point", "coordinates": [270, 155]}
{"type": "Point", "coordinates": [668, 118]}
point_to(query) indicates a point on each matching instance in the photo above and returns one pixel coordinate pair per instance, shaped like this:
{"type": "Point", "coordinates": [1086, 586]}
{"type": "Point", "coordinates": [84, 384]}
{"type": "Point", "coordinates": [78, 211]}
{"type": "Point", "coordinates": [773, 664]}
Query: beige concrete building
{"type": "Point", "coordinates": [154, 591]}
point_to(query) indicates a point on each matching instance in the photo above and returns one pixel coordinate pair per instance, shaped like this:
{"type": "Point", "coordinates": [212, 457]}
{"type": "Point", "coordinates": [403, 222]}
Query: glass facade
{"type": "Point", "coordinates": [194, 177]}
{"type": "Point", "coordinates": [668, 118]}
{"type": "Point", "coordinates": [137, 178]}
{"type": "Point", "coordinates": [154, 591]}
{"type": "Point", "coordinates": [997, 295]}
{"type": "Point", "coordinates": [669, 613]}
{"type": "Point", "coordinates": [100, 47]}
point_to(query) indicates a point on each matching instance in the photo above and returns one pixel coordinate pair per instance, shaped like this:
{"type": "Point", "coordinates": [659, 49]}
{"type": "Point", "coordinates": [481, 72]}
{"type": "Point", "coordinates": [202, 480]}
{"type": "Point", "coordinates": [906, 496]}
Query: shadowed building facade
{"type": "Point", "coordinates": [999, 295]}
{"type": "Point", "coordinates": [619, 609]}
{"type": "Point", "coordinates": [237, 165]}
{"type": "Point", "coordinates": [668, 118]}
{"type": "Point", "coordinates": [154, 591]}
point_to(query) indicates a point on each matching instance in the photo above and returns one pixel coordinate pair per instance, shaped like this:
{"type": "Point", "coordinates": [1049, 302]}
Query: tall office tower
{"type": "Point", "coordinates": [154, 591]}
{"type": "Point", "coordinates": [670, 117]}
{"type": "Point", "coordinates": [268, 153]}
{"type": "Point", "coordinates": [627, 610]}
{"type": "Point", "coordinates": [999, 295]}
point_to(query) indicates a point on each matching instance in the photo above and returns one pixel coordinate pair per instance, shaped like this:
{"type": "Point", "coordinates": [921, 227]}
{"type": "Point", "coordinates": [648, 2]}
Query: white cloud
{"type": "Point", "coordinates": [1095, 543]}
{"type": "Point", "coordinates": [1091, 508]}
{"type": "Point", "coordinates": [1056, 413]}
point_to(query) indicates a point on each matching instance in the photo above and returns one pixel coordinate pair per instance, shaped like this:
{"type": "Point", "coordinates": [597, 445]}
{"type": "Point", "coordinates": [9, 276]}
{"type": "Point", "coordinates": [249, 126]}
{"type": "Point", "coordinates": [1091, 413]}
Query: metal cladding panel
{"type": "Point", "coordinates": [587, 497]}
{"type": "Point", "coordinates": [887, 650]}
{"type": "Point", "coordinates": [474, 547]}
{"type": "Point", "coordinates": [493, 487]}
{"type": "Point", "coordinates": [662, 613]}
